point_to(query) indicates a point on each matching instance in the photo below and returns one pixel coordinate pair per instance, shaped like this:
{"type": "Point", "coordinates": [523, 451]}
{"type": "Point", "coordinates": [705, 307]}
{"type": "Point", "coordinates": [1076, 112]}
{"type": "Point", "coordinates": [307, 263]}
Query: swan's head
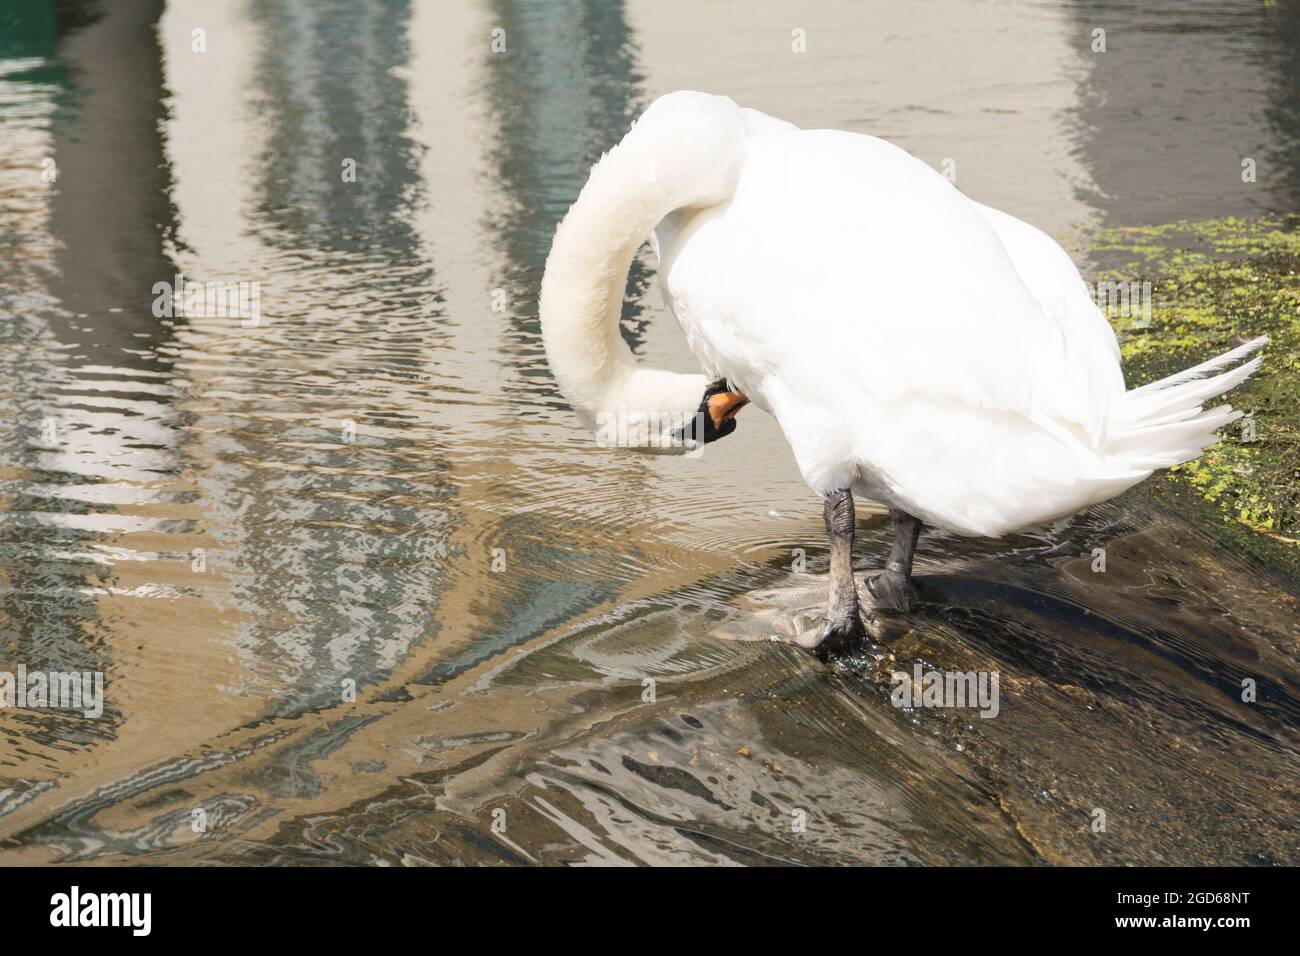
{"type": "Point", "coordinates": [663, 412]}
{"type": "Point", "coordinates": [625, 404]}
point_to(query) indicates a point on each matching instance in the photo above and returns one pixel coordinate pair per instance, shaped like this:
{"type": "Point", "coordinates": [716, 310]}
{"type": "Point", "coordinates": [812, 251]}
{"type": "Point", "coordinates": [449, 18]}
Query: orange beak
{"type": "Point", "coordinates": [724, 405]}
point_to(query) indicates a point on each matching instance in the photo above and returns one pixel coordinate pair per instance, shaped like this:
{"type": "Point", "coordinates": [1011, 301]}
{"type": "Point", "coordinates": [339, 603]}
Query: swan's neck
{"type": "Point", "coordinates": [583, 290]}
{"type": "Point", "coordinates": [652, 172]}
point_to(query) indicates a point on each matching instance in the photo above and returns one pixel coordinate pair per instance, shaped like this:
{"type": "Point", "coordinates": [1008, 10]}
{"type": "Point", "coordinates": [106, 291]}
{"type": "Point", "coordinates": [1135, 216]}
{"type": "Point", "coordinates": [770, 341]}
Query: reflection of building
{"type": "Point", "coordinates": [566, 91]}
{"type": "Point", "coordinates": [1282, 35]}
{"type": "Point", "coordinates": [331, 82]}
{"type": "Point", "coordinates": [1166, 117]}
{"type": "Point", "coordinates": [329, 546]}
{"type": "Point", "coordinates": [90, 419]}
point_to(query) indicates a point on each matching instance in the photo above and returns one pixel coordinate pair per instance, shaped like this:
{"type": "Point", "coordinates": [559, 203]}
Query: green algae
{"type": "Point", "coordinates": [1214, 285]}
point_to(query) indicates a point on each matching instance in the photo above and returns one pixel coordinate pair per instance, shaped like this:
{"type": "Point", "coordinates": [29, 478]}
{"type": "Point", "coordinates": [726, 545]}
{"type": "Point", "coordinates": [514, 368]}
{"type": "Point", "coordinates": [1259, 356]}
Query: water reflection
{"type": "Point", "coordinates": [95, 430]}
{"type": "Point", "coordinates": [1159, 125]}
{"type": "Point", "coordinates": [332, 535]}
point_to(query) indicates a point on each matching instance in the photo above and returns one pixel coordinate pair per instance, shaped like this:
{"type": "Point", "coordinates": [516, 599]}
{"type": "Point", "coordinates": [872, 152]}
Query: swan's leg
{"type": "Point", "coordinates": [843, 620]}
{"type": "Point", "coordinates": [892, 589]}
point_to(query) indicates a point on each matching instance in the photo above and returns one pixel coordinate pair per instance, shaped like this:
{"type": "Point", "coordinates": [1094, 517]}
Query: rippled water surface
{"type": "Point", "coordinates": [559, 653]}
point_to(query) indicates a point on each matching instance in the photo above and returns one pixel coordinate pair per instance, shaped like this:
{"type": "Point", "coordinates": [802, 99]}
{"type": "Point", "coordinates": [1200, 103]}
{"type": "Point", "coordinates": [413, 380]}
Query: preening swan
{"type": "Point", "coordinates": [916, 347]}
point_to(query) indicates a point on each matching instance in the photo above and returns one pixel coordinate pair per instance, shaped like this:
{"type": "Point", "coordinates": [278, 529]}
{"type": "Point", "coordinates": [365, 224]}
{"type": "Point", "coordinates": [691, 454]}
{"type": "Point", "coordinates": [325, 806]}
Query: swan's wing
{"type": "Point", "coordinates": [842, 250]}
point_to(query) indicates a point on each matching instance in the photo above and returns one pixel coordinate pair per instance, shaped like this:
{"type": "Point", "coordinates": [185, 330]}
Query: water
{"type": "Point", "coordinates": [378, 488]}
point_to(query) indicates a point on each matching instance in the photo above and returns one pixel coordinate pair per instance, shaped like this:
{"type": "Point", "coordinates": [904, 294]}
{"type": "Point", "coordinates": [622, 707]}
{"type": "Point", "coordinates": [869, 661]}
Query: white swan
{"type": "Point", "coordinates": [916, 347]}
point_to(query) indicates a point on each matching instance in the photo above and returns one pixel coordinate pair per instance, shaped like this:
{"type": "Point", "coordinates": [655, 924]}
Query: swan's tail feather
{"type": "Point", "coordinates": [1164, 423]}
{"type": "Point", "coordinates": [1198, 371]}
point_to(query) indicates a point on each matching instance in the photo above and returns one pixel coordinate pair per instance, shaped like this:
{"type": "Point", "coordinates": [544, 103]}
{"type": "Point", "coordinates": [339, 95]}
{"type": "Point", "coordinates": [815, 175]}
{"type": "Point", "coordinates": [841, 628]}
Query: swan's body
{"type": "Point", "coordinates": [926, 351]}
